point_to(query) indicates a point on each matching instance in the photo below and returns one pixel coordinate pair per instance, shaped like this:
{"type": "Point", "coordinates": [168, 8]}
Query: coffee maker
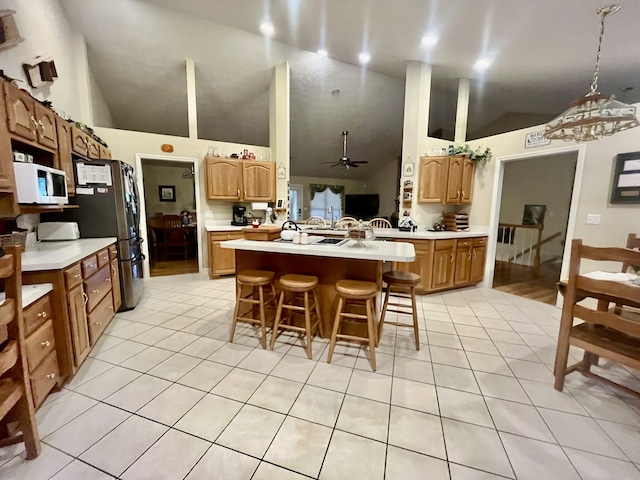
{"type": "Point", "coordinates": [239, 217]}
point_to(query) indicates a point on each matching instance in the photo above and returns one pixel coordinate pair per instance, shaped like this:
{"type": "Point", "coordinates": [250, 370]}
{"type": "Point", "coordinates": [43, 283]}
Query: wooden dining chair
{"type": "Point", "coordinates": [604, 333]}
{"type": "Point", "coordinates": [633, 243]}
{"type": "Point", "coordinates": [316, 221]}
{"type": "Point", "coordinates": [172, 220]}
{"type": "Point", "coordinates": [346, 222]}
{"type": "Point", "coordinates": [380, 223]}
{"type": "Point", "coordinates": [17, 411]}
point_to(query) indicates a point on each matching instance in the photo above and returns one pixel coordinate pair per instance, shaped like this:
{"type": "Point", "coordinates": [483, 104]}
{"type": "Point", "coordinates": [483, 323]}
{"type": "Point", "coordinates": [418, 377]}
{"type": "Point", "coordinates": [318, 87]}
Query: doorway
{"type": "Point", "coordinates": [296, 202]}
{"type": "Point", "coordinates": [533, 219]}
{"type": "Point", "coordinates": [170, 212]}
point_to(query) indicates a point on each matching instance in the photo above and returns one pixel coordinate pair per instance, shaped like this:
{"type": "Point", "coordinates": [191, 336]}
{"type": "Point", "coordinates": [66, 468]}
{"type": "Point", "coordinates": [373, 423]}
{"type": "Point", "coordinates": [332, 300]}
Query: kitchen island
{"type": "Point", "coordinates": [329, 263]}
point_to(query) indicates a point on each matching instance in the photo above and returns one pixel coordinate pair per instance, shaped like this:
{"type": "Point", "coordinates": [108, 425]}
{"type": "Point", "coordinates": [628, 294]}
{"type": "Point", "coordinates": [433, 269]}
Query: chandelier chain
{"type": "Point", "coordinates": [603, 12]}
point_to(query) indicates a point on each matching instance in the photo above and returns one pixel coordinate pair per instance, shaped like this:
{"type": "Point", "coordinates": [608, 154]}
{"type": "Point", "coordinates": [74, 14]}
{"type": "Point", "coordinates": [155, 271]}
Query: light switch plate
{"type": "Point", "coordinates": [593, 218]}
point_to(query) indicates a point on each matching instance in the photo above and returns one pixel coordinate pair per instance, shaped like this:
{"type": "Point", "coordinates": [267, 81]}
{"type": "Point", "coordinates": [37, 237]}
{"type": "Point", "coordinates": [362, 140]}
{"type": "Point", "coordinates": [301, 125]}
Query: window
{"type": "Point", "coordinates": [322, 201]}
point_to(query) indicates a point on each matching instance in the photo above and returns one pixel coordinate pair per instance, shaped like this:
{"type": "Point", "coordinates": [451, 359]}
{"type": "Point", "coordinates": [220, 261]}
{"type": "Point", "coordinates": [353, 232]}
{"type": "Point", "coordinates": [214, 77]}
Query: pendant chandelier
{"type": "Point", "coordinates": [596, 115]}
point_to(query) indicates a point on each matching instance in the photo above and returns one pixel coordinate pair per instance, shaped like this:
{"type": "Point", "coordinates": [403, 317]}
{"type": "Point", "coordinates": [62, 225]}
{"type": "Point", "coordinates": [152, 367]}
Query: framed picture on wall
{"type": "Point", "coordinates": [167, 193]}
{"type": "Point", "coordinates": [625, 186]}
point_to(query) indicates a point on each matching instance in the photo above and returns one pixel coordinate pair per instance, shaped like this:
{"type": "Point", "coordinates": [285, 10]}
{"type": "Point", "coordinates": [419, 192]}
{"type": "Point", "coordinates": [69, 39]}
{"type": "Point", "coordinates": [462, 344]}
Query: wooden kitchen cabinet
{"type": "Point", "coordinates": [432, 182]}
{"type": "Point", "coordinates": [422, 265]}
{"type": "Point", "coordinates": [224, 179]}
{"type": "Point", "coordinates": [115, 286]}
{"type": "Point", "coordinates": [463, 261]}
{"type": "Point", "coordinates": [259, 181]}
{"type": "Point", "coordinates": [478, 256]}
{"type": "Point", "coordinates": [8, 202]}
{"type": "Point", "coordinates": [64, 152]}
{"type": "Point", "coordinates": [240, 180]}
{"type": "Point", "coordinates": [45, 126]}
{"type": "Point", "coordinates": [446, 180]}
{"type": "Point", "coordinates": [76, 299]}
{"type": "Point", "coordinates": [222, 261]}
{"type": "Point", "coordinates": [79, 142]}
{"type": "Point", "coordinates": [20, 112]}
{"type": "Point", "coordinates": [40, 348]}
{"type": "Point", "coordinates": [443, 264]}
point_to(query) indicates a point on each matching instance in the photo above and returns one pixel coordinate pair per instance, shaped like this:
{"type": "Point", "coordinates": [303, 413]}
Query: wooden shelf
{"type": "Point", "coordinates": [44, 208]}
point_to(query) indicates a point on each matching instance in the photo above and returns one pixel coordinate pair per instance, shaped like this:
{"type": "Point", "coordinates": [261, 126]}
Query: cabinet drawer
{"type": "Point", "coordinates": [103, 257]}
{"type": "Point", "coordinates": [113, 252]}
{"type": "Point", "coordinates": [73, 276]}
{"type": "Point", "coordinates": [480, 241]}
{"type": "Point", "coordinates": [443, 244]}
{"type": "Point", "coordinates": [98, 286]}
{"type": "Point", "coordinates": [40, 344]}
{"type": "Point", "coordinates": [465, 243]}
{"type": "Point", "coordinates": [222, 236]}
{"type": "Point", "coordinates": [99, 318]}
{"type": "Point", "coordinates": [89, 266]}
{"type": "Point", "coordinates": [44, 378]}
{"type": "Point", "coordinates": [36, 314]}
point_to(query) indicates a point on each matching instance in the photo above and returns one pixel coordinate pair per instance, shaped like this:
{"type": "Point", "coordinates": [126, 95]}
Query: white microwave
{"type": "Point", "coordinates": [40, 184]}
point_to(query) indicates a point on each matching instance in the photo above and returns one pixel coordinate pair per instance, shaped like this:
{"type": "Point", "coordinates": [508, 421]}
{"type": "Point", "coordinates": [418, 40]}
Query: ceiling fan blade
{"type": "Point", "coordinates": [353, 165]}
{"type": "Point", "coordinates": [360, 161]}
{"type": "Point", "coordinates": [336, 165]}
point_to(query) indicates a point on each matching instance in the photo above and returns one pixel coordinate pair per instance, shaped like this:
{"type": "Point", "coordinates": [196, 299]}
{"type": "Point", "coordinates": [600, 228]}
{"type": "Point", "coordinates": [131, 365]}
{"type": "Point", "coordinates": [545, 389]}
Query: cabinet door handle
{"type": "Point", "coordinates": [42, 315]}
{"type": "Point", "coordinates": [108, 280]}
{"type": "Point", "coordinates": [77, 275]}
{"type": "Point", "coordinates": [42, 129]}
{"type": "Point", "coordinates": [95, 291]}
{"type": "Point", "coordinates": [113, 269]}
{"type": "Point", "coordinates": [245, 193]}
{"type": "Point", "coordinates": [85, 298]}
{"type": "Point", "coordinates": [51, 375]}
{"type": "Point", "coordinates": [109, 307]}
{"type": "Point", "coordinates": [45, 344]}
{"type": "Point", "coordinates": [474, 254]}
{"type": "Point", "coordinates": [451, 257]}
{"type": "Point", "coordinates": [462, 194]}
{"type": "Point", "coordinates": [238, 193]}
{"type": "Point", "coordinates": [98, 323]}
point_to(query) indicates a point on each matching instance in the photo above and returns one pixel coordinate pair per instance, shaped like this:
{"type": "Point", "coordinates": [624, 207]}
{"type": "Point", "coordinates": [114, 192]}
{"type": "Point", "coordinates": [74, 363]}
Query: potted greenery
{"type": "Point", "coordinates": [478, 155]}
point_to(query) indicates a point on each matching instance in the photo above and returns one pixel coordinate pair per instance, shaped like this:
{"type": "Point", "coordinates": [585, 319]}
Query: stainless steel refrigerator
{"type": "Point", "coordinates": [109, 206]}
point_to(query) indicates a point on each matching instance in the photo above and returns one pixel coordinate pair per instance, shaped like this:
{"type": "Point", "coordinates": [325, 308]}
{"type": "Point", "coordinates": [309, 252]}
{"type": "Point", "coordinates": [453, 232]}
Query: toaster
{"type": "Point", "coordinates": [57, 231]}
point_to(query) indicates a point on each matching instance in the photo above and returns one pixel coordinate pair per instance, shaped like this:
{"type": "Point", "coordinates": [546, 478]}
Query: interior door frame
{"type": "Point", "coordinates": [299, 188]}
{"type": "Point", "coordinates": [496, 201]}
{"type": "Point", "coordinates": [143, 209]}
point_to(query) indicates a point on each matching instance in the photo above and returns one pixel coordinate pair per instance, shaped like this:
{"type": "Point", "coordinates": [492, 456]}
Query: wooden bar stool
{"type": "Point", "coordinates": [360, 292]}
{"type": "Point", "coordinates": [256, 280]}
{"type": "Point", "coordinates": [400, 285]}
{"type": "Point", "coordinates": [294, 284]}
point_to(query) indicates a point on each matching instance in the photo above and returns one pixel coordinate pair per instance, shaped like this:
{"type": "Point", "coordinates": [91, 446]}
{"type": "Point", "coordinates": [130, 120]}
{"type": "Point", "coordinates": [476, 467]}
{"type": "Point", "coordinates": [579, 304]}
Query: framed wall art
{"type": "Point", "coordinates": [625, 187]}
{"type": "Point", "coordinates": [167, 193]}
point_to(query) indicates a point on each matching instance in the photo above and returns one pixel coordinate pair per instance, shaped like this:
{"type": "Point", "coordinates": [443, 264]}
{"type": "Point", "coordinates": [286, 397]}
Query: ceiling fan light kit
{"type": "Point", "coordinates": [346, 161]}
{"type": "Point", "coordinates": [596, 115]}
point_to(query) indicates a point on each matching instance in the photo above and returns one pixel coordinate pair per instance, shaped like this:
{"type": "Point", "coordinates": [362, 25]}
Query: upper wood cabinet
{"type": "Point", "coordinates": [446, 180]}
{"type": "Point", "coordinates": [432, 183]}
{"type": "Point", "coordinates": [64, 152]}
{"type": "Point", "coordinates": [229, 179]}
{"type": "Point", "coordinates": [79, 142]}
{"type": "Point", "coordinates": [224, 179]}
{"type": "Point", "coordinates": [259, 180]}
{"type": "Point", "coordinates": [29, 119]}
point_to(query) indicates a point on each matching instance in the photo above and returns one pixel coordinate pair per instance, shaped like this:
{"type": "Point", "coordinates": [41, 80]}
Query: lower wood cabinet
{"type": "Point", "coordinates": [62, 327]}
{"type": "Point", "coordinates": [446, 264]}
{"type": "Point", "coordinates": [40, 347]}
{"type": "Point", "coordinates": [222, 261]}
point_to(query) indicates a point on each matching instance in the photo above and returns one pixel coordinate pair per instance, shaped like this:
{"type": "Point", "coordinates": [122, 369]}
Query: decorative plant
{"type": "Point", "coordinates": [478, 155]}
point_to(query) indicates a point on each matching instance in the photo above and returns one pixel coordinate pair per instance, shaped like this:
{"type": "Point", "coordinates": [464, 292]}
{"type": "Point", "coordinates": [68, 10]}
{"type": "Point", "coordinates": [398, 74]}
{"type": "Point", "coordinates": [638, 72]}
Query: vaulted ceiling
{"type": "Point", "coordinates": [542, 59]}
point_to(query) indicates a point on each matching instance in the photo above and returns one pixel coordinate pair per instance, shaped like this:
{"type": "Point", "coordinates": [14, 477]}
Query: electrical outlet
{"type": "Point", "coordinates": [593, 218]}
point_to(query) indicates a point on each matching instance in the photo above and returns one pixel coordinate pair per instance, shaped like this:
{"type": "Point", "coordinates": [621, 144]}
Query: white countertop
{"type": "Point", "coordinates": [57, 255]}
{"type": "Point", "coordinates": [374, 250]}
{"type": "Point", "coordinates": [420, 234]}
{"type": "Point", "coordinates": [221, 228]}
{"type": "Point", "coordinates": [31, 293]}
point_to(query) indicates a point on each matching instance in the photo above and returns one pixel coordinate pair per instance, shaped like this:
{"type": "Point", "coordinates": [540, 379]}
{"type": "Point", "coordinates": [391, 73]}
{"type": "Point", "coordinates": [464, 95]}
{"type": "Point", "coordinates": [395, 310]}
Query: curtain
{"type": "Point", "coordinates": [321, 187]}
{"type": "Point", "coordinates": [324, 197]}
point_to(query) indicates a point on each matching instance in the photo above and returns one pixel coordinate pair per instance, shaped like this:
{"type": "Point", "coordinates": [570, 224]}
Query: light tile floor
{"type": "Point", "coordinates": [165, 396]}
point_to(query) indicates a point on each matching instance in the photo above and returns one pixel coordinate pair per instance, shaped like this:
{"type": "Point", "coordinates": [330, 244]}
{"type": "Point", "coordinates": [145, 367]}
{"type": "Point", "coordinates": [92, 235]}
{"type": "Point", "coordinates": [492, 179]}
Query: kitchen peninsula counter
{"type": "Point", "coordinates": [396, 234]}
{"type": "Point", "coordinates": [329, 263]}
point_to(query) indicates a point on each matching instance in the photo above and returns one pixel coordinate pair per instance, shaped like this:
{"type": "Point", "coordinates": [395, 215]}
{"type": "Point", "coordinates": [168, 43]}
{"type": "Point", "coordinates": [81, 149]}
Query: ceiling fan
{"type": "Point", "coordinates": [346, 161]}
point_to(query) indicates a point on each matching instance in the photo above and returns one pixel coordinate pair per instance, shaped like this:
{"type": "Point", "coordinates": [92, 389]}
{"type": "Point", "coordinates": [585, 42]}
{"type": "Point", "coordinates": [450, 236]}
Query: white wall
{"type": "Point", "coordinates": [385, 184]}
{"type": "Point", "coordinates": [100, 110]}
{"type": "Point", "coordinates": [46, 32]}
{"type": "Point", "coordinates": [540, 181]}
{"type": "Point", "coordinates": [617, 221]}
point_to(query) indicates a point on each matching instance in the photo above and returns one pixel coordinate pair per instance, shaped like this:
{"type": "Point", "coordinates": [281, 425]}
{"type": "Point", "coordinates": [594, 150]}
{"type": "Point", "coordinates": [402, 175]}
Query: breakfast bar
{"type": "Point", "coordinates": [330, 263]}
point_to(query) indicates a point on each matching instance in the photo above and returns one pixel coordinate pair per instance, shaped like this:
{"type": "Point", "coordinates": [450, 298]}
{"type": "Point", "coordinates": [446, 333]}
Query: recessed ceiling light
{"type": "Point", "coordinates": [322, 52]}
{"type": "Point", "coordinates": [335, 92]}
{"type": "Point", "coordinates": [482, 64]}
{"type": "Point", "coordinates": [364, 58]}
{"type": "Point", "coordinates": [267, 28]}
{"type": "Point", "coordinates": [430, 40]}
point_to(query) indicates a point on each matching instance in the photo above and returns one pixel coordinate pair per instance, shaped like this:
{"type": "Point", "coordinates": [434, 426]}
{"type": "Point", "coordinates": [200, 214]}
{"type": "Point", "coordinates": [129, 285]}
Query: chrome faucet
{"type": "Point", "coordinates": [333, 222]}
